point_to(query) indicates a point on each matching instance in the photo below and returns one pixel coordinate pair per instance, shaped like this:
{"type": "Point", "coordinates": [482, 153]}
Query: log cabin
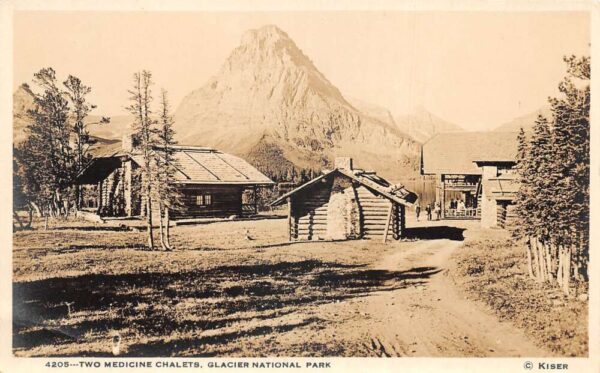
{"type": "Point", "coordinates": [477, 168]}
{"type": "Point", "coordinates": [211, 183]}
{"type": "Point", "coordinates": [346, 203]}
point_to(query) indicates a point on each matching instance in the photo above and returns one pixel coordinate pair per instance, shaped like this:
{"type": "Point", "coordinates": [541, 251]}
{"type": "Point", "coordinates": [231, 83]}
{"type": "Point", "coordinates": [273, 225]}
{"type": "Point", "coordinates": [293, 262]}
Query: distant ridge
{"type": "Point", "coordinates": [423, 125]}
{"type": "Point", "coordinates": [526, 121]}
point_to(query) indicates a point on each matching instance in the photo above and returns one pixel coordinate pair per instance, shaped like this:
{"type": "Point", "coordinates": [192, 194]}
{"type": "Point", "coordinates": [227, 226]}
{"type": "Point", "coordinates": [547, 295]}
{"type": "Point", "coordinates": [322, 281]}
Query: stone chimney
{"type": "Point", "coordinates": [344, 163]}
{"type": "Point", "coordinates": [127, 142]}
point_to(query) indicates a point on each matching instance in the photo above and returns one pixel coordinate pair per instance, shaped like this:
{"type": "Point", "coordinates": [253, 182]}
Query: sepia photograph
{"type": "Point", "coordinates": [300, 184]}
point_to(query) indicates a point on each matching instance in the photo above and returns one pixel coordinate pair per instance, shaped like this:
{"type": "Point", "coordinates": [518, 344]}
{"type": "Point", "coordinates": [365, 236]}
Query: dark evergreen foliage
{"type": "Point", "coordinates": [554, 166]}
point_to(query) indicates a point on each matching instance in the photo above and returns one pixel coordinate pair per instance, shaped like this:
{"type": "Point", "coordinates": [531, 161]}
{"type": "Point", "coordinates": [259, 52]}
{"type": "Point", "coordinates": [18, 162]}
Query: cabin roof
{"type": "Point", "coordinates": [456, 152]}
{"type": "Point", "coordinates": [195, 165]}
{"type": "Point", "coordinates": [370, 180]}
{"type": "Point", "coordinates": [105, 148]}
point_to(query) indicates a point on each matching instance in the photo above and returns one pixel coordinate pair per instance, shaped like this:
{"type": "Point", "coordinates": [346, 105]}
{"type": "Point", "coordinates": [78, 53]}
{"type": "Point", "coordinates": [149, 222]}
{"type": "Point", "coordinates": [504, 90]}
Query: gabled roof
{"type": "Point", "coordinates": [195, 165]}
{"type": "Point", "coordinates": [370, 180]}
{"type": "Point", "coordinates": [456, 152]}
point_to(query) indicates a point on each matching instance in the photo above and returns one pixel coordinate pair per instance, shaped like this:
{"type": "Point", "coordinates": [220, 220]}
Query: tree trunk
{"type": "Point", "coordinates": [18, 219]}
{"type": "Point", "coordinates": [541, 262]}
{"type": "Point", "coordinates": [149, 222]}
{"type": "Point", "coordinates": [536, 264]}
{"type": "Point", "coordinates": [529, 261]}
{"type": "Point", "coordinates": [160, 227]}
{"type": "Point", "coordinates": [46, 222]}
{"type": "Point", "coordinates": [167, 229]}
{"type": "Point", "coordinates": [546, 248]}
{"type": "Point", "coordinates": [30, 217]}
{"type": "Point", "coordinates": [559, 271]}
{"type": "Point", "coordinates": [567, 270]}
{"type": "Point", "coordinates": [35, 207]}
{"type": "Point", "coordinates": [540, 246]}
{"type": "Point", "coordinates": [78, 197]}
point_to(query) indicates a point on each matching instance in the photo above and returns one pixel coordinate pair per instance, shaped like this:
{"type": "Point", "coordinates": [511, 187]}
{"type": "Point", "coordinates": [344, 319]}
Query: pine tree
{"type": "Point", "coordinates": [525, 198]}
{"type": "Point", "coordinates": [45, 156]}
{"type": "Point", "coordinates": [553, 198]}
{"type": "Point", "coordinates": [167, 194]}
{"type": "Point", "coordinates": [77, 92]}
{"type": "Point", "coordinates": [572, 163]}
{"type": "Point", "coordinates": [143, 130]}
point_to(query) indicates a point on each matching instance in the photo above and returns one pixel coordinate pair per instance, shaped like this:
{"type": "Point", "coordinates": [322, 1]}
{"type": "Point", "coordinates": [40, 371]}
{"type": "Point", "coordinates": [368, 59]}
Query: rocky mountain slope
{"type": "Point", "coordinates": [22, 101]}
{"type": "Point", "coordinates": [270, 104]}
{"type": "Point", "coordinates": [103, 135]}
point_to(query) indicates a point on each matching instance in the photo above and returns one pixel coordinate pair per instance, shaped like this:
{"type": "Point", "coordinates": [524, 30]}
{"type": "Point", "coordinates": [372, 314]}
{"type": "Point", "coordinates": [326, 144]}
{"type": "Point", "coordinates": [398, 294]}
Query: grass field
{"type": "Point", "coordinates": [239, 288]}
{"type": "Point", "coordinates": [493, 270]}
{"type": "Point", "coordinates": [219, 293]}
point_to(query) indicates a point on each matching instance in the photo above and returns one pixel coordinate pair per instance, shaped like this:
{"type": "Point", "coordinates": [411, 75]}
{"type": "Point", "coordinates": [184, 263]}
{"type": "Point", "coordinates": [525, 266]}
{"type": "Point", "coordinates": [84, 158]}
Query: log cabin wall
{"type": "Point", "coordinates": [511, 216]}
{"type": "Point", "coordinates": [111, 192]}
{"type": "Point", "coordinates": [398, 227]}
{"type": "Point", "coordinates": [225, 201]}
{"type": "Point", "coordinates": [506, 214]}
{"type": "Point", "coordinates": [375, 212]}
{"type": "Point", "coordinates": [309, 212]}
{"type": "Point", "coordinates": [338, 208]}
{"type": "Point", "coordinates": [500, 214]}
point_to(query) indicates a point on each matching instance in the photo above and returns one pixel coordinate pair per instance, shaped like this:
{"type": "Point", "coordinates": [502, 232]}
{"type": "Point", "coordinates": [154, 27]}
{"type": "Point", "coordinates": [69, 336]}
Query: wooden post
{"type": "Point", "coordinates": [127, 187]}
{"type": "Point", "coordinates": [289, 218]}
{"type": "Point", "coordinates": [443, 197]}
{"type": "Point", "coordinates": [255, 200]}
{"type": "Point", "coordinates": [99, 196]}
{"type": "Point", "coordinates": [387, 223]}
{"type": "Point", "coordinates": [529, 259]}
{"type": "Point", "coordinates": [240, 201]}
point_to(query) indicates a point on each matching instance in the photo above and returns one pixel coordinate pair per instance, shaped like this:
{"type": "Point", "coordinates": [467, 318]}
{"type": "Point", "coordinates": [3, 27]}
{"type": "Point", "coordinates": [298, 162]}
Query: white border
{"type": "Point", "coordinates": [8, 363]}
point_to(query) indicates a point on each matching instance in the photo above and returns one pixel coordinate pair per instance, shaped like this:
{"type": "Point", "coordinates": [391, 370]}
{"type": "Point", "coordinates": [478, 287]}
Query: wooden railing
{"type": "Point", "coordinates": [249, 209]}
{"type": "Point", "coordinates": [466, 213]}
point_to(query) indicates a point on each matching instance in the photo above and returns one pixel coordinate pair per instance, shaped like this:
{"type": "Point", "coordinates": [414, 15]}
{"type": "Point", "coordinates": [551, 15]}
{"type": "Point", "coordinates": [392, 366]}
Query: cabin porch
{"type": "Point", "coordinates": [459, 196]}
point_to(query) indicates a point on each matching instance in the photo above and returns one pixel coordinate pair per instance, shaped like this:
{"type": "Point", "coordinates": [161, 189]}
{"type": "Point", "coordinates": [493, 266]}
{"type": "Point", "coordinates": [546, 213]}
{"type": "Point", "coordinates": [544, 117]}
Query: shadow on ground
{"type": "Point", "coordinates": [202, 312]}
{"type": "Point", "coordinates": [436, 233]}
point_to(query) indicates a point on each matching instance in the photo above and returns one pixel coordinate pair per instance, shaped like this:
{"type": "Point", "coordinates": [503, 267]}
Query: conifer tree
{"type": "Point", "coordinates": [46, 155]}
{"type": "Point", "coordinates": [553, 199]}
{"type": "Point", "coordinates": [572, 163]}
{"type": "Point", "coordinates": [77, 92]}
{"type": "Point", "coordinates": [143, 130]}
{"type": "Point", "coordinates": [167, 194]}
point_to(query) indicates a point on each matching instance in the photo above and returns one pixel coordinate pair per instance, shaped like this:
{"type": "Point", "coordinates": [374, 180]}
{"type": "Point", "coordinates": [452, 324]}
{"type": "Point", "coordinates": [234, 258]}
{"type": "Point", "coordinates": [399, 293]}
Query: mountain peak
{"type": "Point", "coordinates": [269, 43]}
{"type": "Point", "coordinates": [270, 104]}
{"type": "Point", "coordinates": [266, 35]}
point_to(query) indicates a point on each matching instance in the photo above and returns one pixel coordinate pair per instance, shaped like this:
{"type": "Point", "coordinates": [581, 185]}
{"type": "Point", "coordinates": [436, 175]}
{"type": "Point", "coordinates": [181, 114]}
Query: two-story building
{"type": "Point", "coordinates": [475, 175]}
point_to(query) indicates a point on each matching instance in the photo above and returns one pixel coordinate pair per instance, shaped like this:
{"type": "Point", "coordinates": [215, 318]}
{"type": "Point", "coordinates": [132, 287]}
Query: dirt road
{"type": "Point", "coordinates": [429, 317]}
{"type": "Point", "coordinates": [225, 295]}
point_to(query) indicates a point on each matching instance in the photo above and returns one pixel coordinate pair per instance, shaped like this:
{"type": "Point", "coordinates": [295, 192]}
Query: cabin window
{"type": "Point", "coordinates": [203, 200]}
{"type": "Point", "coordinates": [506, 170]}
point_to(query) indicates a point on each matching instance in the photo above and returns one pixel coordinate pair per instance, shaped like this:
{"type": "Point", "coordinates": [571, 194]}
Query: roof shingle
{"type": "Point", "coordinates": [454, 153]}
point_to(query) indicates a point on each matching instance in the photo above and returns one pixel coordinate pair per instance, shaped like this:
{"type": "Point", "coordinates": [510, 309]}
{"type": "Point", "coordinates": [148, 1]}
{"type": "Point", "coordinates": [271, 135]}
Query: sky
{"type": "Point", "coordinates": [475, 69]}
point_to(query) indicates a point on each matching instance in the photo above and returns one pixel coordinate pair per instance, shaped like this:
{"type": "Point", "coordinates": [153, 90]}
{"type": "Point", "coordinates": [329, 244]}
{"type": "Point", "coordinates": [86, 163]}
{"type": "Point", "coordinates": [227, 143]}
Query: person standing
{"type": "Point", "coordinates": [428, 211]}
{"type": "Point", "coordinates": [438, 211]}
{"type": "Point", "coordinates": [418, 210]}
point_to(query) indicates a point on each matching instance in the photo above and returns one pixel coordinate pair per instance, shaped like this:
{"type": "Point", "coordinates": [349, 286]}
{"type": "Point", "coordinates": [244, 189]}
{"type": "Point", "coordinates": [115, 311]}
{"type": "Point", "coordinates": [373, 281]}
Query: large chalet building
{"type": "Point", "coordinates": [475, 175]}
